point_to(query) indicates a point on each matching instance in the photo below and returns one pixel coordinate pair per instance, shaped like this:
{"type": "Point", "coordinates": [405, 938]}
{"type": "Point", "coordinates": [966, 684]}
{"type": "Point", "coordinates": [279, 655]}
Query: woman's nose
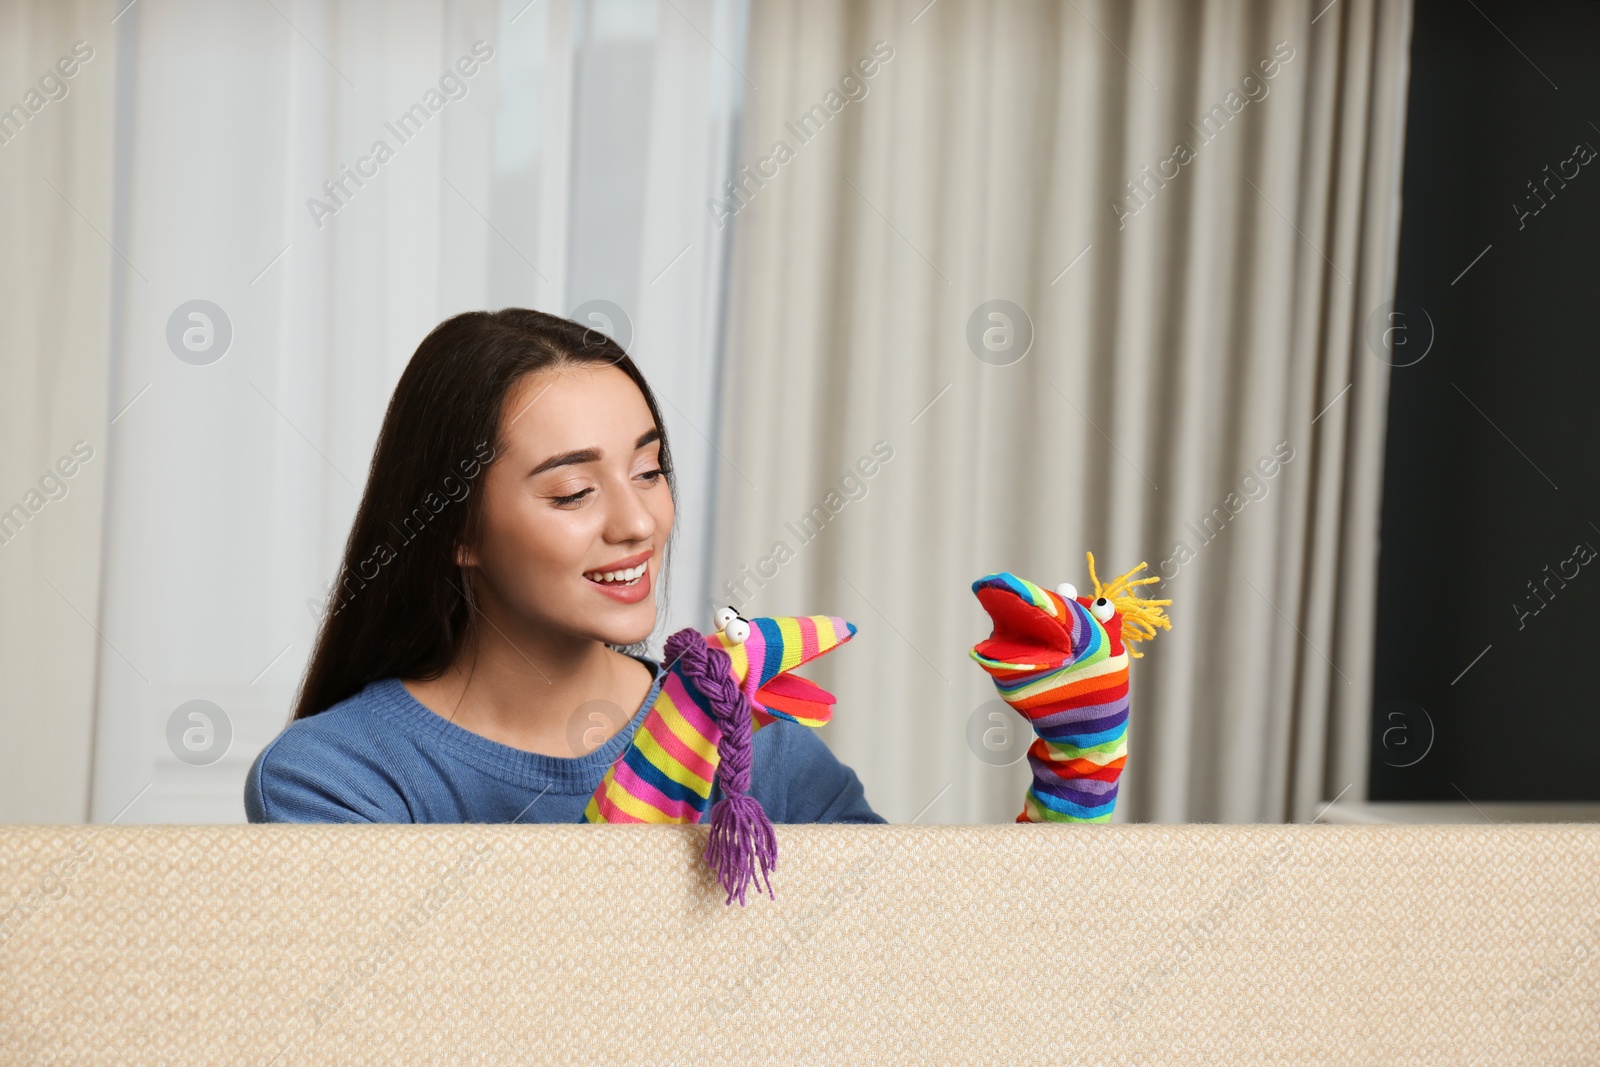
{"type": "Point", "coordinates": [628, 518]}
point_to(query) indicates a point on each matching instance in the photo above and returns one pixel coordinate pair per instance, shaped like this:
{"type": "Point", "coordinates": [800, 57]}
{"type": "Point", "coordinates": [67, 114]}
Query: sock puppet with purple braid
{"type": "Point", "coordinates": [720, 689]}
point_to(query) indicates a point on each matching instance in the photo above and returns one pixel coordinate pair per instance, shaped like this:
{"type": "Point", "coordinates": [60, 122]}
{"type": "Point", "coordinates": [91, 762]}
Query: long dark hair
{"type": "Point", "coordinates": [400, 604]}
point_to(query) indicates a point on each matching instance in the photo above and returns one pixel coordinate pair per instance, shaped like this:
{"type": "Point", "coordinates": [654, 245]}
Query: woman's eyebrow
{"type": "Point", "coordinates": [582, 455]}
{"type": "Point", "coordinates": [590, 455]}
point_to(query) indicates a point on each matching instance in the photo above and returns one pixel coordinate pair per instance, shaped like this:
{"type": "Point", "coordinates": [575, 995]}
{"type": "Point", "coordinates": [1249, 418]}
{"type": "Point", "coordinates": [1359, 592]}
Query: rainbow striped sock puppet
{"type": "Point", "coordinates": [1059, 660]}
{"type": "Point", "coordinates": [720, 689]}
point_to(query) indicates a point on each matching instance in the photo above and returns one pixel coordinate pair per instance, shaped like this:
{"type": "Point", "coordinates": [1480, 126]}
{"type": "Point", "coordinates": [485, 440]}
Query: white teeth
{"type": "Point", "coordinates": [624, 577]}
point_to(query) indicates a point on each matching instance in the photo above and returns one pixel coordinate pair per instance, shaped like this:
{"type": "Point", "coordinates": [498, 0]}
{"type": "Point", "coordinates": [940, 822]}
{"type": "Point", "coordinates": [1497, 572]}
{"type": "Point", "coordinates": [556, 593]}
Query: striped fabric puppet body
{"type": "Point", "coordinates": [1060, 660]}
{"type": "Point", "coordinates": [720, 689]}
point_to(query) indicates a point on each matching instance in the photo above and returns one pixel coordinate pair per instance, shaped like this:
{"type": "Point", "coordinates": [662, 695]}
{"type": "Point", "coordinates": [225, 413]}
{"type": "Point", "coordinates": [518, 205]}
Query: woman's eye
{"type": "Point", "coordinates": [652, 476]}
{"type": "Point", "coordinates": [566, 501]}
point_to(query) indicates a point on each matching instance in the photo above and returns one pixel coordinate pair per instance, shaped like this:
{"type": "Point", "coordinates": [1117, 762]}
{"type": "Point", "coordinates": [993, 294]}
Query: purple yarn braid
{"type": "Point", "coordinates": [741, 834]}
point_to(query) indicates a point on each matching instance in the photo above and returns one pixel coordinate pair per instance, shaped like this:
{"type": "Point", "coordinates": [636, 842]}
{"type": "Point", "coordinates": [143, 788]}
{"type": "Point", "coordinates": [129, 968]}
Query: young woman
{"type": "Point", "coordinates": [499, 583]}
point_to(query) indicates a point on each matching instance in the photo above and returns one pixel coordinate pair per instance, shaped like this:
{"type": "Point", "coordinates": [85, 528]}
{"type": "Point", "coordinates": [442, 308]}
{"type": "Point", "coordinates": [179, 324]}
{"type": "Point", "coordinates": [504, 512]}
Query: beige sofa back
{"type": "Point", "coordinates": [314, 945]}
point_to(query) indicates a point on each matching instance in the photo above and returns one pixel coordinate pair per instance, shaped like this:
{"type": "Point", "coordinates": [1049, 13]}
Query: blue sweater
{"type": "Point", "coordinates": [381, 756]}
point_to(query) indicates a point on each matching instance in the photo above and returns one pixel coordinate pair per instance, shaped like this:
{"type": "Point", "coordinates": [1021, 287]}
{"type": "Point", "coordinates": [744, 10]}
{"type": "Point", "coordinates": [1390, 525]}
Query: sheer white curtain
{"type": "Point", "coordinates": [57, 67]}
{"type": "Point", "coordinates": [1190, 313]}
{"type": "Point", "coordinates": [551, 154]}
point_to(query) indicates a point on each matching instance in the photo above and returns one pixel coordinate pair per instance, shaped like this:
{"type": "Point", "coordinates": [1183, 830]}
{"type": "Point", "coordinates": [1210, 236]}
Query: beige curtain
{"type": "Point", "coordinates": [1196, 317]}
{"type": "Point", "coordinates": [56, 254]}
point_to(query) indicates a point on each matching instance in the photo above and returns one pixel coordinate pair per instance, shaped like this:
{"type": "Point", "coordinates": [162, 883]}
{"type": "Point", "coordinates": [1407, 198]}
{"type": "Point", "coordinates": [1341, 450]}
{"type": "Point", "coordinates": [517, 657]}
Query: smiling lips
{"type": "Point", "coordinates": [626, 580]}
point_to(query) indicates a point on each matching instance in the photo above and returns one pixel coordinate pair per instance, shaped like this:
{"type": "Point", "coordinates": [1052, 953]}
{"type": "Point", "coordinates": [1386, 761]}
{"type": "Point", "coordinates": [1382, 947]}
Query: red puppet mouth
{"type": "Point", "coordinates": [796, 697]}
{"type": "Point", "coordinates": [1026, 635]}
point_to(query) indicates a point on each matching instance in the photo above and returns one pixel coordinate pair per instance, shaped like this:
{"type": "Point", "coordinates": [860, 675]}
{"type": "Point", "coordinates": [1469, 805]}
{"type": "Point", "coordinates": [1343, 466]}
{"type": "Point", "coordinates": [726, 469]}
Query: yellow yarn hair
{"type": "Point", "coordinates": [1140, 617]}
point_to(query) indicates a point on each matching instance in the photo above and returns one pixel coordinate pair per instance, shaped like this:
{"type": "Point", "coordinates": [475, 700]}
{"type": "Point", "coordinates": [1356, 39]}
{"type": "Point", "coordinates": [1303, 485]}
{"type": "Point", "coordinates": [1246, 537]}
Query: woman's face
{"type": "Point", "coordinates": [576, 509]}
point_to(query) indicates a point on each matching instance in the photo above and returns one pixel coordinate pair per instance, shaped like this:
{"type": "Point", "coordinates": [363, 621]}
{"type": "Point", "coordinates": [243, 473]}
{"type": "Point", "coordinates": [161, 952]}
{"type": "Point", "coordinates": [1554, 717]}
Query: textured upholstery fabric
{"type": "Point", "coordinates": [1203, 944]}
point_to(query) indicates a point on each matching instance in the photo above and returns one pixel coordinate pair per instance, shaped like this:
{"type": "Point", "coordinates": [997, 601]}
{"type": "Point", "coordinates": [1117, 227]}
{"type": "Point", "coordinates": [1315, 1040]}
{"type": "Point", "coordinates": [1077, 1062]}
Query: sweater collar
{"type": "Point", "coordinates": [561, 775]}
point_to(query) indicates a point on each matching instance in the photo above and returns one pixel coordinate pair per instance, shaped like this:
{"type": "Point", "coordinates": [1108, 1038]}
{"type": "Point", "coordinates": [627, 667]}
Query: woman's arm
{"type": "Point", "coordinates": [295, 779]}
{"type": "Point", "coordinates": [817, 787]}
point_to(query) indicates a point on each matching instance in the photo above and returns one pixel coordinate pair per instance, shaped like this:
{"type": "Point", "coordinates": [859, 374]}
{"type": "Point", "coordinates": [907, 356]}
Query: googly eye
{"type": "Point", "coordinates": [1102, 609]}
{"type": "Point", "coordinates": [736, 630]}
{"type": "Point", "coordinates": [1067, 591]}
{"type": "Point", "coordinates": [723, 617]}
